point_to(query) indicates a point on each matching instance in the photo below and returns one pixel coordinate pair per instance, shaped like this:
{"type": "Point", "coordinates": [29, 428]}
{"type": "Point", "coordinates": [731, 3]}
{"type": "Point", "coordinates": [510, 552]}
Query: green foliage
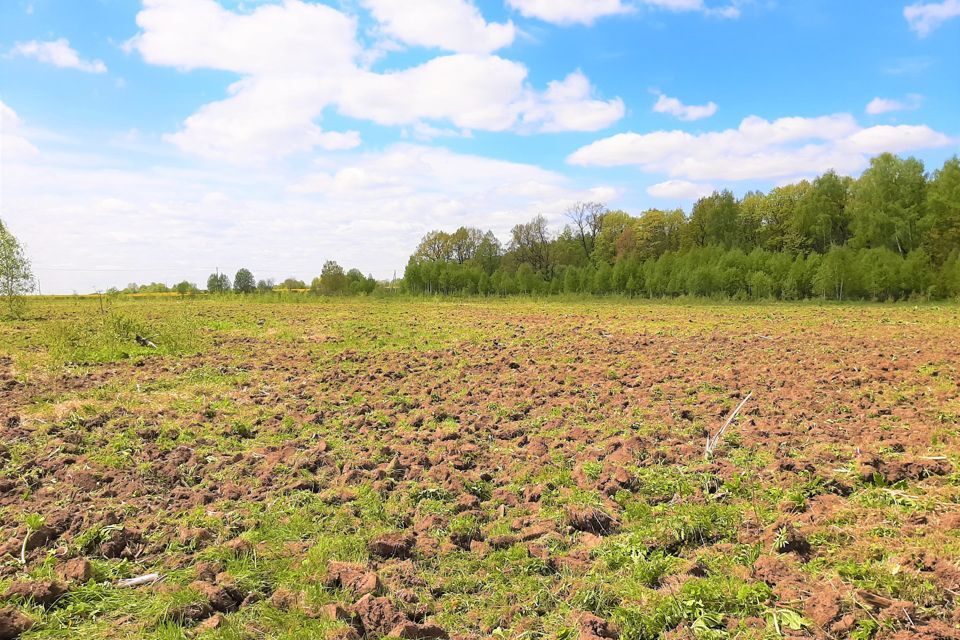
{"type": "Point", "coordinates": [243, 282]}
{"type": "Point", "coordinates": [16, 276]}
{"type": "Point", "coordinates": [888, 235]}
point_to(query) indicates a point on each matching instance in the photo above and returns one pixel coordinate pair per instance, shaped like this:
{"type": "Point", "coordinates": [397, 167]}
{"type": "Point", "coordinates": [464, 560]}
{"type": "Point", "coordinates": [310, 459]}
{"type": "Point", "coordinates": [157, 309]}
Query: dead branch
{"type": "Point", "coordinates": [712, 442]}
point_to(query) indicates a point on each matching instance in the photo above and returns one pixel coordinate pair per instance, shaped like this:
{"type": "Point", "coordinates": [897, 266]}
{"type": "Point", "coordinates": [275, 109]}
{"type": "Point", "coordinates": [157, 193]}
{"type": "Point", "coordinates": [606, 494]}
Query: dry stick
{"type": "Point", "coordinates": [150, 578]}
{"type": "Point", "coordinates": [712, 442]}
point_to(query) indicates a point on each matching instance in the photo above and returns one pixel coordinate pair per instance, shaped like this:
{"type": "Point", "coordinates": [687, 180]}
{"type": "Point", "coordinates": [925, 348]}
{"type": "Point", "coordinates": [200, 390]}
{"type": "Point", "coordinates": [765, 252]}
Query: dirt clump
{"type": "Point", "coordinates": [13, 623]}
{"type": "Point", "coordinates": [42, 592]}
{"type": "Point", "coordinates": [591, 520]}
{"type": "Point", "coordinates": [592, 627]}
{"type": "Point", "coordinates": [353, 577]}
{"type": "Point", "coordinates": [392, 545]}
{"type": "Point", "coordinates": [377, 615]}
{"type": "Point", "coordinates": [418, 631]}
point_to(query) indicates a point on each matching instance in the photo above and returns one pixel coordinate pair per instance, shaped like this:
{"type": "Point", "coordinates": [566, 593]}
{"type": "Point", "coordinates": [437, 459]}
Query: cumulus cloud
{"type": "Point", "coordinates": [567, 12]}
{"type": "Point", "coordinates": [923, 18]}
{"type": "Point", "coordinates": [289, 38]}
{"type": "Point", "coordinates": [571, 105]}
{"type": "Point", "coordinates": [679, 190]}
{"type": "Point", "coordinates": [59, 53]}
{"type": "Point", "coordinates": [879, 105]}
{"type": "Point", "coordinates": [759, 148]}
{"type": "Point", "coordinates": [298, 59]}
{"type": "Point", "coordinates": [453, 25]}
{"type": "Point", "coordinates": [674, 107]}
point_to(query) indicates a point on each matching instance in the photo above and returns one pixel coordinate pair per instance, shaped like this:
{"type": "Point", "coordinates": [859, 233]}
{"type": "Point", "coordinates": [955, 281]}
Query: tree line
{"type": "Point", "coordinates": [333, 280]}
{"type": "Point", "coordinates": [893, 233]}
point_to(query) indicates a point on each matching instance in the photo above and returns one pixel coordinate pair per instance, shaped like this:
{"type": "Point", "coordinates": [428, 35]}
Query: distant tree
{"type": "Point", "coordinates": [183, 288]}
{"type": "Point", "coordinates": [488, 253]}
{"type": "Point", "coordinates": [613, 225]}
{"type": "Point", "coordinates": [293, 283]}
{"type": "Point", "coordinates": [714, 220]}
{"type": "Point", "coordinates": [16, 276]}
{"type": "Point", "coordinates": [656, 233]}
{"type": "Point", "coordinates": [464, 243]}
{"type": "Point", "coordinates": [823, 220]}
{"type": "Point", "coordinates": [587, 218]}
{"type": "Point", "coordinates": [243, 282]}
{"type": "Point", "coordinates": [265, 286]}
{"type": "Point", "coordinates": [530, 242]}
{"type": "Point", "coordinates": [887, 204]}
{"type": "Point", "coordinates": [436, 246]}
{"type": "Point", "coordinates": [333, 281]}
{"type": "Point", "coordinates": [218, 283]}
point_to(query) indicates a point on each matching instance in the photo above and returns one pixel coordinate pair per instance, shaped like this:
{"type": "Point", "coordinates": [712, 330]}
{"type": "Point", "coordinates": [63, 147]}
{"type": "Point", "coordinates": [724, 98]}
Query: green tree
{"type": "Point", "coordinates": [218, 283]}
{"type": "Point", "coordinates": [243, 281]}
{"type": "Point", "coordinates": [613, 226]}
{"type": "Point", "coordinates": [185, 287]}
{"type": "Point", "coordinates": [887, 204]}
{"type": "Point", "coordinates": [714, 220]}
{"type": "Point", "coordinates": [333, 281]}
{"type": "Point", "coordinates": [16, 276]}
{"type": "Point", "coordinates": [293, 283]}
{"type": "Point", "coordinates": [587, 218]}
{"type": "Point", "coordinates": [822, 220]}
{"type": "Point", "coordinates": [530, 243]}
{"type": "Point", "coordinates": [942, 221]}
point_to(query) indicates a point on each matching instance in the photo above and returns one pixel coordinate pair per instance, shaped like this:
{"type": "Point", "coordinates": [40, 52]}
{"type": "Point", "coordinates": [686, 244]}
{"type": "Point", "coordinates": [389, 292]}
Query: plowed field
{"type": "Point", "coordinates": [506, 469]}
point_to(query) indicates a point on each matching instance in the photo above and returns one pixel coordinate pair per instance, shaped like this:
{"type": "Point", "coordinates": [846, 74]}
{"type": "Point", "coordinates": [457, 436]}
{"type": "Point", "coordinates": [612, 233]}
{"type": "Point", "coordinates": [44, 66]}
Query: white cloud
{"type": "Point", "coordinates": [476, 92]}
{"type": "Point", "coordinates": [471, 91]}
{"type": "Point", "coordinates": [59, 54]}
{"type": "Point", "coordinates": [728, 11]}
{"type": "Point", "coordinates": [297, 60]}
{"type": "Point", "coordinates": [894, 139]}
{"type": "Point", "coordinates": [879, 105]}
{"type": "Point", "coordinates": [453, 25]}
{"type": "Point", "coordinates": [295, 37]}
{"type": "Point", "coordinates": [363, 209]}
{"type": "Point", "coordinates": [759, 149]}
{"type": "Point", "coordinates": [925, 17]}
{"type": "Point", "coordinates": [13, 144]}
{"type": "Point", "coordinates": [570, 105]}
{"type": "Point", "coordinates": [566, 12]}
{"type": "Point", "coordinates": [426, 132]}
{"type": "Point", "coordinates": [673, 106]}
{"type": "Point", "coordinates": [679, 190]}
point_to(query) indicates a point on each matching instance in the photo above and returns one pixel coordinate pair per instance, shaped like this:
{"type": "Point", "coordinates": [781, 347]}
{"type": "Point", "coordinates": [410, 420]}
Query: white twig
{"type": "Point", "coordinates": [715, 440]}
{"type": "Point", "coordinates": [149, 578]}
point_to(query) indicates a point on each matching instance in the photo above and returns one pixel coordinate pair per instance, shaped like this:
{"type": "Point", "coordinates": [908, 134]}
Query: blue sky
{"type": "Point", "coordinates": [159, 140]}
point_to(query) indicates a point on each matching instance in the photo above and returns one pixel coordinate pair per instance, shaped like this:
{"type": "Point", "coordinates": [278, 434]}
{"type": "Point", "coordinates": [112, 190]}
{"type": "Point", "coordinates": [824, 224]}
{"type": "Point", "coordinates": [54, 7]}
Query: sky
{"type": "Point", "coordinates": [160, 140]}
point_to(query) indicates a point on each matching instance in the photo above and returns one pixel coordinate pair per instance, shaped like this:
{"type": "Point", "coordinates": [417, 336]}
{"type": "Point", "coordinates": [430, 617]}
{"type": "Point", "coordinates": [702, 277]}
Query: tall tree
{"type": "Point", "coordinates": [530, 242]}
{"type": "Point", "coordinates": [887, 204]}
{"type": "Point", "coordinates": [436, 246]}
{"type": "Point", "coordinates": [613, 225]}
{"type": "Point", "coordinates": [587, 218]}
{"type": "Point", "coordinates": [16, 276]}
{"type": "Point", "coordinates": [822, 219]}
{"type": "Point", "coordinates": [714, 220]}
{"type": "Point", "coordinates": [333, 281]}
{"type": "Point", "coordinates": [218, 283]}
{"type": "Point", "coordinates": [942, 221]}
{"type": "Point", "coordinates": [243, 282]}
